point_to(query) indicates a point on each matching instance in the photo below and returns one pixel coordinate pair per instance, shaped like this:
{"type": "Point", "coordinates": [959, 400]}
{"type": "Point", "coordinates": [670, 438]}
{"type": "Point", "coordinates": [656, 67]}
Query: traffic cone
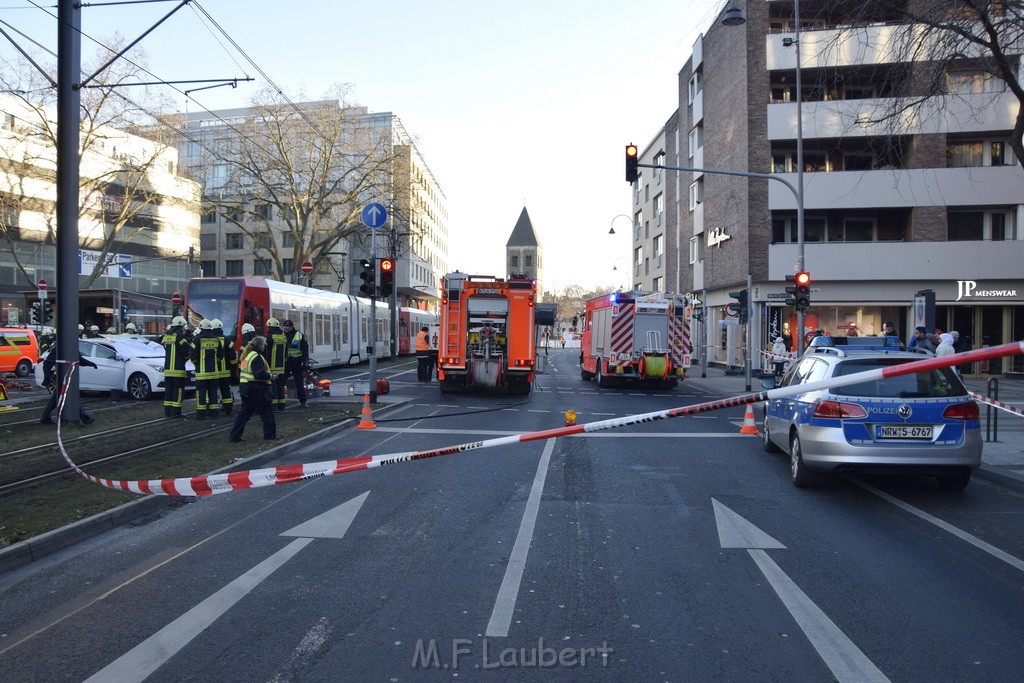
{"type": "Point", "coordinates": [366, 421]}
{"type": "Point", "coordinates": [748, 422]}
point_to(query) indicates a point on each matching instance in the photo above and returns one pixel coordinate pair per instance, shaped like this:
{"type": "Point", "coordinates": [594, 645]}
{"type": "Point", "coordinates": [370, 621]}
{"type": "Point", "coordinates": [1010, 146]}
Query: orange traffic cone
{"type": "Point", "coordinates": [748, 422]}
{"type": "Point", "coordinates": [366, 421]}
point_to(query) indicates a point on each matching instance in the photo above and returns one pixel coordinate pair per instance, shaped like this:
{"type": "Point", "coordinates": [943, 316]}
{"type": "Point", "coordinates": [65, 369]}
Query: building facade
{"type": "Point", "coordinates": [138, 225]}
{"type": "Point", "coordinates": [892, 206]}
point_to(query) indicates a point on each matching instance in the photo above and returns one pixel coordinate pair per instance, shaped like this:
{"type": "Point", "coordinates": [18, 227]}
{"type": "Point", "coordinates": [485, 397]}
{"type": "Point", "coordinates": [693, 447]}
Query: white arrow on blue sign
{"type": "Point", "coordinates": [374, 215]}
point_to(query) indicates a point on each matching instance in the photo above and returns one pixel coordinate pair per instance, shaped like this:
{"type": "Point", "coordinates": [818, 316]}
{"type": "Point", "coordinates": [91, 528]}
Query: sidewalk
{"type": "Point", "coordinates": [1002, 459]}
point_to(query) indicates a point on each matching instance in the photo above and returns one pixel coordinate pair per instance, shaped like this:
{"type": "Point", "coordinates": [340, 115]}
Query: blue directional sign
{"type": "Point", "coordinates": [124, 266]}
{"type": "Point", "coordinates": [374, 215]}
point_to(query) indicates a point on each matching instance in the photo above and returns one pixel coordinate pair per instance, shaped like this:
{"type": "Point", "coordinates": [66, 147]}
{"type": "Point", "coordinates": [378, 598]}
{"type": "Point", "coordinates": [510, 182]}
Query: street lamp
{"type": "Point", "coordinates": [734, 17]}
{"type": "Point", "coordinates": [611, 230]}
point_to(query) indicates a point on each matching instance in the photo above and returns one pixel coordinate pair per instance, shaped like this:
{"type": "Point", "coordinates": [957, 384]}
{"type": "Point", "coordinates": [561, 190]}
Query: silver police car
{"type": "Point", "coordinates": [925, 423]}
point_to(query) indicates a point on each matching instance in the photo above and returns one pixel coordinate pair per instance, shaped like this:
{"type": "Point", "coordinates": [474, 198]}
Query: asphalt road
{"type": "Point", "coordinates": [675, 550]}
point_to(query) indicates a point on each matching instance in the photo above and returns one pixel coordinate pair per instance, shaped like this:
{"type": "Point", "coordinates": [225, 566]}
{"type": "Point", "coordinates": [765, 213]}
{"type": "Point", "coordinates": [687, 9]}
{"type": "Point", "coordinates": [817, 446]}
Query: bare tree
{"type": "Point", "coordinates": [930, 54]}
{"type": "Point", "coordinates": [124, 179]}
{"type": "Point", "coordinates": [572, 300]}
{"type": "Point", "coordinates": [293, 178]}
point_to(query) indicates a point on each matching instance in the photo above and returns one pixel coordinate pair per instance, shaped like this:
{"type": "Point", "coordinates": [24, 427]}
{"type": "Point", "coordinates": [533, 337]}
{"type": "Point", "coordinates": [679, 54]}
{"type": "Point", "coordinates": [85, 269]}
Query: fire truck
{"type": "Point", "coordinates": [487, 335]}
{"type": "Point", "coordinates": [638, 337]}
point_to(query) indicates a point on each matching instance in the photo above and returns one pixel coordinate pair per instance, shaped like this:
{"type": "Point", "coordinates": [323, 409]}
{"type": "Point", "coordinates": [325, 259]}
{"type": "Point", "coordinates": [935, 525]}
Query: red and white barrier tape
{"type": "Point", "coordinates": [1002, 406]}
{"type": "Point", "coordinates": [206, 485]}
{"type": "Point", "coordinates": [769, 354]}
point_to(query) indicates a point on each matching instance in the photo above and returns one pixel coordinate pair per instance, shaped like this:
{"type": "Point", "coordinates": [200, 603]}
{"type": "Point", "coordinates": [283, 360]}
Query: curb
{"type": "Point", "coordinates": [1001, 476]}
{"type": "Point", "coordinates": [36, 548]}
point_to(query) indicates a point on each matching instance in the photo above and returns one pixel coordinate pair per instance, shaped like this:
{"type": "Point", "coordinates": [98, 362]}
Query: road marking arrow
{"type": "Point", "coordinates": [843, 658]}
{"type": "Point", "coordinates": [151, 654]}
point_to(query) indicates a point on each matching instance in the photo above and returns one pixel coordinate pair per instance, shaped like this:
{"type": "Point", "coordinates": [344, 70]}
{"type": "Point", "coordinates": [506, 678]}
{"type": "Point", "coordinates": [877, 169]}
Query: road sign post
{"type": "Point", "coordinates": [374, 216]}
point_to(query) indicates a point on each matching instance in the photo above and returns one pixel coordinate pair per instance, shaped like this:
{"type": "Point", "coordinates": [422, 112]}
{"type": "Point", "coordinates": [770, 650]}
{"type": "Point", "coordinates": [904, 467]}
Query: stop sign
{"type": "Point", "coordinates": [42, 285]}
{"type": "Point", "coordinates": [307, 267]}
{"type": "Point", "coordinates": [176, 298]}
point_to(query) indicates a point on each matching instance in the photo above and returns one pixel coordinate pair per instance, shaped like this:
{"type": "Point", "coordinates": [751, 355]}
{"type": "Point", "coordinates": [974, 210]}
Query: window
{"type": "Point", "coordinates": [659, 207]}
{"type": "Point", "coordinates": [207, 241]}
{"type": "Point", "coordinates": [1001, 154]}
{"type": "Point", "coordinates": [638, 221]}
{"type": "Point", "coordinates": [694, 250]}
{"type": "Point", "coordinates": [659, 245]}
{"type": "Point", "coordinates": [527, 261]}
{"type": "Point", "coordinates": [233, 268]}
{"type": "Point", "coordinates": [265, 211]}
{"type": "Point", "coordinates": [658, 284]}
{"type": "Point", "coordinates": [696, 194]}
{"type": "Point", "coordinates": [973, 83]}
{"type": "Point", "coordinates": [695, 85]}
{"type": "Point", "coordinates": [659, 160]}
{"type": "Point", "coordinates": [234, 240]}
{"type": "Point", "coordinates": [781, 163]}
{"type": "Point", "coordinates": [287, 240]}
{"type": "Point", "coordinates": [209, 268]}
{"type": "Point", "coordinates": [994, 225]}
{"type": "Point", "coordinates": [513, 261]}
{"type": "Point", "coordinates": [696, 140]}
{"type": "Point", "coordinates": [209, 216]}
{"type": "Point", "coordinates": [264, 240]}
{"type": "Point", "coordinates": [638, 255]}
{"type": "Point", "coordinates": [261, 266]}
{"type": "Point", "coordinates": [858, 230]}
{"type": "Point", "coordinates": [288, 265]}
{"type": "Point", "coordinates": [965, 154]}
{"type": "Point", "coordinates": [858, 161]}
{"type": "Point", "coordinates": [8, 122]}
{"type": "Point", "coordinates": [814, 230]}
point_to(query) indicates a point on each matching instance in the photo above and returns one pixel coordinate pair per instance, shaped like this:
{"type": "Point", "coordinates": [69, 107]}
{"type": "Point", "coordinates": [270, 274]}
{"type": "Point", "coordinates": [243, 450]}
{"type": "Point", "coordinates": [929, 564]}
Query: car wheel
{"type": "Point", "coordinates": [139, 387]}
{"type": "Point", "coordinates": [957, 481]}
{"type": "Point", "coordinates": [602, 380]}
{"type": "Point", "coordinates": [766, 442]}
{"type": "Point", "coordinates": [24, 368]}
{"type": "Point", "coordinates": [802, 477]}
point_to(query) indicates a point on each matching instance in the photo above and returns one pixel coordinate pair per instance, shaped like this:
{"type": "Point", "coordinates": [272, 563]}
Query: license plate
{"type": "Point", "coordinates": [903, 432]}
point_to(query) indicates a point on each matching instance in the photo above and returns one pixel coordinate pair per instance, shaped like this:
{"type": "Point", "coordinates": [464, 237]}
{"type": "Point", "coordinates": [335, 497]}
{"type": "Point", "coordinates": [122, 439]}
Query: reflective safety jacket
{"type": "Point", "coordinates": [422, 341]}
{"type": "Point", "coordinates": [176, 352]}
{"type": "Point", "coordinates": [226, 364]}
{"type": "Point", "coordinates": [298, 348]}
{"type": "Point", "coordinates": [207, 353]}
{"type": "Point", "coordinates": [277, 349]}
{"type": "Point", "coordinates": [253, 368]}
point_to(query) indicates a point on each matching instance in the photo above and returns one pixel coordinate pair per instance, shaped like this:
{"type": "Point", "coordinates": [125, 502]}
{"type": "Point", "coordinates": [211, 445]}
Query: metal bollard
{"type": "Point", "coordinates": [991, 412]}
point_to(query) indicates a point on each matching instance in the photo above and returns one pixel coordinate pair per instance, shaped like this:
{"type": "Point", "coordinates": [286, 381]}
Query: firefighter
{"type": "Point", "coordinates": [248, 332]}
{"type": "Point", "coordinates": [423, 355]}
{"type": "Point", "coordinates": [297, 361]}
{"type": "Point", "coordinates": [176, 351]}
{"type": "Point", "coordinates": [206, 353]}
{"type": "Point", "coordinates": [228, 363]}
{"type": "Point", "coordinates": [131, 331]}
{"type": "Point", "coordinates": [255, 387]}
{"type": "Point", "coordinates": [276, 352]}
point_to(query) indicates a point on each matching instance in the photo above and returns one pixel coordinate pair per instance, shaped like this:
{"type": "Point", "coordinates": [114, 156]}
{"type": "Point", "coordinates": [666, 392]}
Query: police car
{"type": "Point", "coordinates": [925, 423]}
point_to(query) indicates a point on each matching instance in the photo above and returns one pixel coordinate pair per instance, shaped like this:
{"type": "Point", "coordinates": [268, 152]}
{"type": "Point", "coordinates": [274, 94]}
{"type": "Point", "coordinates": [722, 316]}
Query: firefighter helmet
{"type": "Point", "coordinates": [216, 324]}
{"type": "Point", "coordinates": [205, 324]}
{"type": "Point", "coordinates": [81, 327]}
{"type": "Point", "coordinates": [177, 321]}
{"type": "Point", "coordinates": [94, 328]}
{"type": "Point", "coordinates": [273, 322]}
{"type": "Point", "coordinates": [130, 327]}
{"type": "Point", "coordinates": [247, 328]}
{"type": "Point", "coordinates": [111, 330]}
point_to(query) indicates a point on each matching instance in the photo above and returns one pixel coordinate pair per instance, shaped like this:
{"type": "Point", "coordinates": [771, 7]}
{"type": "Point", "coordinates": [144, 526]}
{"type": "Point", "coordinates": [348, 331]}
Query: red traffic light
{"type": "Point", "coordinates": [803, 278]}
{"type": "Point", "coordinates": [631, 150]}
{"type": "Point", "coordinates": [632, 171]}
{"type": "Point", "coordinates": [387, 265]}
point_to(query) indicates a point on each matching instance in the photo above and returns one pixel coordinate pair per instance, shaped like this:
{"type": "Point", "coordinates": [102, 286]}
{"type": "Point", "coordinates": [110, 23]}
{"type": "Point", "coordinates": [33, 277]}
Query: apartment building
{"type": "Point", "coordinates": [416, 232]}
{"type": "Point", "coordinates": [930, 201]}
{"type": "Point", "coordinates": [137, 228]}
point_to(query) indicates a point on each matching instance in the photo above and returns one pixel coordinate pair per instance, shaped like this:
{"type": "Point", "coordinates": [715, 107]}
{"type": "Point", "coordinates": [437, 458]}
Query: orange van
{"type": "Point", "coordinates": [19, 350]}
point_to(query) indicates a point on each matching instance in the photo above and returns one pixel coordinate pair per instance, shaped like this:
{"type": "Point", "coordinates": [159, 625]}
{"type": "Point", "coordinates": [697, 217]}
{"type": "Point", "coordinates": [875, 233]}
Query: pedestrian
{"type": "Point", "coordinates": [81, 331]}
{"type": "Point", "coordinates": [779, 355]}
{"type": "Point", "coordinates": [945, 347]}
{"type": "Point", "coordinates": [959, 345]}
{"type": "Point", "coordinates": [94, 331]}
{"type": "Point", "coordinates": [206, 353]}
{"type": "Point", "coordinates": [176, 353]}
{"type": "Point", "coordinates": [226, 367]}
{"type": "Point", "coordinates": [922, 340]}
{"type": "Point", "coordinates": [423, 354]}
{"type": "Point", "coordinates": [563, 342]}
{"type": "Point", "coordinates": [256, 389]}
{"type": "Point", "coordinates": [888, 329]}
{"type": "Point", "coordinates": [297, 361]}
{"type": "Point", "coordinates": [276, 352]}
{"type": "Point", "coordinates": [49, 377]}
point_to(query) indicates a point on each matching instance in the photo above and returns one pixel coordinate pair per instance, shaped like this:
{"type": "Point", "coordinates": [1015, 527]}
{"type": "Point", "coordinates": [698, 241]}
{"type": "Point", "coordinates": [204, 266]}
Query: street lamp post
{"type": "Point", "coordinates": [611, 230]}
{"type": "Point", "coordinates": [734, 17]}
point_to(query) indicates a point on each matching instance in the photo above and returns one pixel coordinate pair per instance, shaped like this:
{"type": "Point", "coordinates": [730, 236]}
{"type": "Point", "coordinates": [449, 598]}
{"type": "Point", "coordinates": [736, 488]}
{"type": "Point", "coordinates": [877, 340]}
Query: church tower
{"type": "Point", "coordinates": [523, 253]}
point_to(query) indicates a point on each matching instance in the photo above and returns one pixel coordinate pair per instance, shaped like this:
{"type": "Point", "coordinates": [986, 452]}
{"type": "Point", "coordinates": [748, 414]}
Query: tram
{"type": "Point", "coordinates": [410, 322]}
{"type": "Point", "coordinates": [336, 326]}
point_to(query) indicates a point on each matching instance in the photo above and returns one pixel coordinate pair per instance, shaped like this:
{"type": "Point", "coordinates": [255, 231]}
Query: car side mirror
{"type": "Point", "coordinates": [117, 357]}
{"type": "Point", "coordinates": [768, 383]}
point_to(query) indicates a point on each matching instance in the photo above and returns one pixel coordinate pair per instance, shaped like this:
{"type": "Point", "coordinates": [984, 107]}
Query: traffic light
{"type": "Point", "coordinates": [803, 291]}
{"type": "Point", "coordinates": [366, 275]}
{"type": "Point", "coordinates": [47, 311]}
{"type": "Point", "coordinates": [631, 163]}
{"type": "Point", "coordinates": [34, 314]}
{"type": "Point", "coordinates": [791, 291]}
{"type": "Point", "coordinates": [387, 276]}
{"type": "Point", "coordinates": [124, 314]}
{"type": "Point", "coordinates": [740, 308]}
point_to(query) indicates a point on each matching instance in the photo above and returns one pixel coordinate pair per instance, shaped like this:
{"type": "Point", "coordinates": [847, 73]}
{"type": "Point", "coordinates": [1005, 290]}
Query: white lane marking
{"type": "Point", "coordinates": [736, 532]}
{"type": "Point", "coordinates": [540, 411]}
{"type": "Point", "coordinates": [331, 524]}
{"type": "Point", "coordinates": [505, 603]}
{"type": "Point", "coordinates": [1009, 559]}
{"type": "Point", "coordinates": [843, 658]}
{"type": "Point", "coordinates": [148, 656]}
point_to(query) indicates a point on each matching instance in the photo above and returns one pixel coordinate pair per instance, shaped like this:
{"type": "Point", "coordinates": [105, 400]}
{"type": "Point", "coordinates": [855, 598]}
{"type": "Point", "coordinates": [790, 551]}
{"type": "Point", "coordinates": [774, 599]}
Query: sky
{"type": "Point", "coordinates": [511, 105]}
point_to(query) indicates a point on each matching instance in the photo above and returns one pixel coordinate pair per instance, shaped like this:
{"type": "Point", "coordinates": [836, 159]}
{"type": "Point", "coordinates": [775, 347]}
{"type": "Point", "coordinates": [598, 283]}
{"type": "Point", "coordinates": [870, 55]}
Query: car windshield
{"type": "Point", "coordinates": [929, 384]}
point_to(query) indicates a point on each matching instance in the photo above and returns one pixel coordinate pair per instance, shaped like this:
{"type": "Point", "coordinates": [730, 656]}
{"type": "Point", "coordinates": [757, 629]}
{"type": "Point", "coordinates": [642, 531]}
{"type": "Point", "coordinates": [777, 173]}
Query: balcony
{"type": "Point", "coordinates": [903, 188]}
